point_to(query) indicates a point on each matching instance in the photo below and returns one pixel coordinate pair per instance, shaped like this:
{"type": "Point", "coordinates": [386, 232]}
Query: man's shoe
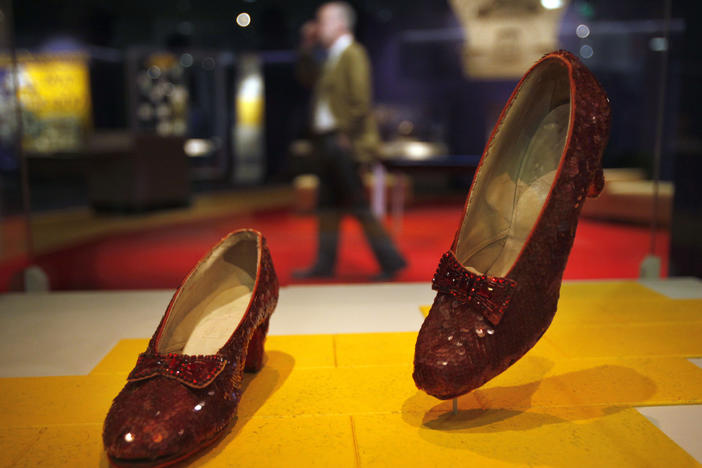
{"type": "Point", "coordinates": [390, 274]}
{"type": "Point", "coordinates": [313, 272]}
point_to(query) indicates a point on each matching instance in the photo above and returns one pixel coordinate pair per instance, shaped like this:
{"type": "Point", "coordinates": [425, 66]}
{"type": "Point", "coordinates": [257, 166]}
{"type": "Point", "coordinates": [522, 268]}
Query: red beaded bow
{"type": "Point", "coordinates": [193, 371]}
{"type": "Point", "coordinates": [491, 295]}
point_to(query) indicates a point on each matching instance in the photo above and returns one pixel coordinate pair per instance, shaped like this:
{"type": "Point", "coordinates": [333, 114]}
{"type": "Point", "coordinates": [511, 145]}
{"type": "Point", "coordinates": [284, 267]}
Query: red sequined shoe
{"type": "Point", "coordinates": [185, 388]}
{"type": "Point", "coordinates": [498, 285]}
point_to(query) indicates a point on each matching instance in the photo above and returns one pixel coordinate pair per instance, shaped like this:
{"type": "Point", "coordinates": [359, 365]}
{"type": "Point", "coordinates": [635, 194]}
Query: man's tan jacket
{"type": "Point", "coordinates": [346, 85]}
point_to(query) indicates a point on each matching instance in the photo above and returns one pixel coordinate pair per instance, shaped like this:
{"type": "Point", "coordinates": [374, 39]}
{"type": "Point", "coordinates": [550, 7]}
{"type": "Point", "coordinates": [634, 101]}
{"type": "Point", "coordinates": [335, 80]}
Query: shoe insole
{"type": "Point", "coordinates": [211, 303]}
{"type": "Point", "coordinates": [216, 315]}
{"type": "Point", "coordinates": [227, 307]}
{"type": "Point", "coordinates": [516, 196]}
{"type": "Point", "coordinates": [526, 211]}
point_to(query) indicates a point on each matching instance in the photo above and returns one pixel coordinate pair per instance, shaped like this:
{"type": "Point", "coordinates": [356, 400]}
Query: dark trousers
{"type": "Point", "coordinates": [341, 192]}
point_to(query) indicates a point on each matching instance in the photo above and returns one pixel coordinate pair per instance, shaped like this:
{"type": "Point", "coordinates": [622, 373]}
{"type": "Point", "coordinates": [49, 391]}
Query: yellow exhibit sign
{"type": "Point", "coordinates": [55, 88]}
{"type": "Point", "coordinates": [54, 94]}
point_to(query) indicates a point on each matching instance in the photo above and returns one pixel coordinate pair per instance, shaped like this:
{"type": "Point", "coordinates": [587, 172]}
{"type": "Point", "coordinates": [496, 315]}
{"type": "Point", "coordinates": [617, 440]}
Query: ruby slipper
{"type": "Point", "coordinates": [186, 386]}
{"type": "Point", "coordinates": [498, 285]}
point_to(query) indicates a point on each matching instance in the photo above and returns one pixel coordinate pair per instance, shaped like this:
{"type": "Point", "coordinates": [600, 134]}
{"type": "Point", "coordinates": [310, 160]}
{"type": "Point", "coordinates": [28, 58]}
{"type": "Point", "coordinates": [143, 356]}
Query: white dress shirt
{"type": "Point", "coordinates": [323, 118]}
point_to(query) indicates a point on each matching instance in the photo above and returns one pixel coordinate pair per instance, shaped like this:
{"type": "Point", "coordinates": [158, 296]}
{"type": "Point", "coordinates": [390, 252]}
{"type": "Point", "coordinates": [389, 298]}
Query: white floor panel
{"type": "Point", "coordinates": [68, 333]}
{"type": "Point", "coordinates": [676, 288]}
{"type": "Point", "coordinates": [681, 423]}
{"type": "Point", "coordinates": [392, 307]}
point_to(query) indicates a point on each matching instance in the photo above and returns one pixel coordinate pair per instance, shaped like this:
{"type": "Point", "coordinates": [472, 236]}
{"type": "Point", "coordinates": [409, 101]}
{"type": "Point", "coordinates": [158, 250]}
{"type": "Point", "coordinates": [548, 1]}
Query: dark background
{"type": "Point", "coordinates": [420, 77]}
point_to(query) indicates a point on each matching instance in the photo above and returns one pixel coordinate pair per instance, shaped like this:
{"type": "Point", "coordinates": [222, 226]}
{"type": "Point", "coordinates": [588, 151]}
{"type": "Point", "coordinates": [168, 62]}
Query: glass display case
{"type": "Point", "coordinates": [15, 233]}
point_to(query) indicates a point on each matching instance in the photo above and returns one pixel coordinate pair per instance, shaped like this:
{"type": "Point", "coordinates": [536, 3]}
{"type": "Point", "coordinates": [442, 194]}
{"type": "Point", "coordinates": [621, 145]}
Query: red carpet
{"type": "Point", "coordinates": [160, 258]}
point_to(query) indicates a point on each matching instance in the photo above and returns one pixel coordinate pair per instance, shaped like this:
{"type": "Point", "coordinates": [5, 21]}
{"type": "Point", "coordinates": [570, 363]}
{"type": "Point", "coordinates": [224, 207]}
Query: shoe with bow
{"type": "Point", "coordinates": [498, 285]}
{"type": "Point", "coordinates": [185, 388]}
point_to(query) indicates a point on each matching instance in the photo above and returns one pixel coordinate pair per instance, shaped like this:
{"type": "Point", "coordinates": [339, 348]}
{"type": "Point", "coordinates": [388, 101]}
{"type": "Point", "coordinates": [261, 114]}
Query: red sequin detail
{"type": "Point", "coordinates": [491, 295]}
{"type": "Point", "coordinates": [187, 410]}
{"type": "Point", "coordinates": [194, 371]}
{"type": "Point", "coordinates": [446, 370]}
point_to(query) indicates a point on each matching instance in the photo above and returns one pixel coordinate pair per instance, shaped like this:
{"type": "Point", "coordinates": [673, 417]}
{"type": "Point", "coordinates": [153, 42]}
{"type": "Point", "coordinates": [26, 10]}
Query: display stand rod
{"type": "Point", "coordinates": [455, 406]}
{"type": "Point", "coordinates": [651, 264]}
{"type": "Point", "coordinates": [658, 148]}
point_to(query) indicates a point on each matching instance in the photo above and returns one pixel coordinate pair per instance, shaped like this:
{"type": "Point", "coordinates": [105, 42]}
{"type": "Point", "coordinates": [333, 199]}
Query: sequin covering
{"type": "Point", "coordinates": [459, 346]}
{"type": "Point", "coordinates": [194, 371]}
{"type": "Point", "coordinates": [488, 294]}
{"type": "Point", "coordinates": [160, 415]}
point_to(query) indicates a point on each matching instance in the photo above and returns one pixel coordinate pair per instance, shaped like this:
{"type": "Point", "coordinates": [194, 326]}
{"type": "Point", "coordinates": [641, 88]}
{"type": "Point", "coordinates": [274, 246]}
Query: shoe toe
{"type": "Point", "coordinates": [151, 420]}
{"type": "Point", "coordinates": [445, 374]}
{"type": "Point", "coordinates": [451, 355]}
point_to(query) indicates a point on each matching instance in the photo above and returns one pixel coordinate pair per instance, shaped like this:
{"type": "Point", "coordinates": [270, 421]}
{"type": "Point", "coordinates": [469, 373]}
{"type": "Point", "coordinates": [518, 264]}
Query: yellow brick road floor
{"type": "Point", "coordinates": [349, 400]}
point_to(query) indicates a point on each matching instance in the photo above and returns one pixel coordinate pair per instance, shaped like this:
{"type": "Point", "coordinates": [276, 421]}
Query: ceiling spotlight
{"type": "Point", "coordinates": [551, 4]}
{"type": "Point", "coordinates": [658, 44]}
{"type": "Point", "coordinates": [582, 31]}
{"type": "Point", "coordinates": [243, 19]}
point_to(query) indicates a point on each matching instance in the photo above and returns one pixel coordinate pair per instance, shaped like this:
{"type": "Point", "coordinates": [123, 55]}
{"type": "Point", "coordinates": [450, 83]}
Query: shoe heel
{"type": "Point", "coordinates": [254, 355]}
{"type": "Point", "coordinates": [597, 183]}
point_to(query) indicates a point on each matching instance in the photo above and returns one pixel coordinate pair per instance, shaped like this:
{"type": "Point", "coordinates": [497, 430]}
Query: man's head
{"type": "Point", "coordinates": [334, 19]}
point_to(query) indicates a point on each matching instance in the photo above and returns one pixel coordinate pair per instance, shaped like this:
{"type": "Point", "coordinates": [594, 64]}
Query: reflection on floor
{"type": "Point", "coordinates": [160, 257]}
{"type": "Point", "coordinates": [348, 399]}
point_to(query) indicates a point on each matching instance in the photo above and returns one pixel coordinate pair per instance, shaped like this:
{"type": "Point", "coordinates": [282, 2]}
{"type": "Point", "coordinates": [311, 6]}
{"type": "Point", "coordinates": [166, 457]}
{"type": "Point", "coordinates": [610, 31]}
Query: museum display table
{"type": "Point", "coordinates": [337, 390]}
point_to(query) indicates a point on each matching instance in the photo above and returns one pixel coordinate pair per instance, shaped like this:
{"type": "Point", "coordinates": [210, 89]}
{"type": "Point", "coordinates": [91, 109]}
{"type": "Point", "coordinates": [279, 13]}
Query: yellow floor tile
{"type": "Point", "coordinates": [693, 306]}
{"type": "Point", "coordinates": [571, 337]}
{"type": "Point", "coordinates": [383, 349]}
{"type": "Point", "coordinates": [587, 297]}
{"type": "Point", "coordinates": [546, 349]}
{"type": "Point", "coordinates": [122, 358]}
{"type": "Point", "coordinates": [607, 290]}
{"type": "Point", "coordinates": [307, 350]}
{"type": "Point", "coordinates": [533, 381]}
{"type": "Point", "coordinates": [66, 446]}
{"type": "Point", "coordinates": [562, 437]}
{"type": "Point", "coordinates": [594, 382]}
{"type": "Point", "coordinates": [279, 442]}
{"type": "Point", "coordinates": [259, 388]}
{"type": "Point", "coordinates": [375, 349]}
{"type": "Point", "coordinates": [349, 399]}
{"type": "Point", "coordinates": [40, 401]}
{"type": "Point", "coordinates": [344, 390]}
{"type": "Point", "coordinates": [621, 340]}
{"type": "Point", "coordinates": [576, 306]}
{"type": "Point", "coordinates": [322, 441]}
{"type": "Point", "coordinates": [628, 311]}
{"type": "Point", "coordinates": [15, 442]}
{"type": "Point", "coordinates": [579, 310]}
{"type": "Point", "coordinates": [631, 382]}
{"type": "Point", "coordinates": [278, 391]}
